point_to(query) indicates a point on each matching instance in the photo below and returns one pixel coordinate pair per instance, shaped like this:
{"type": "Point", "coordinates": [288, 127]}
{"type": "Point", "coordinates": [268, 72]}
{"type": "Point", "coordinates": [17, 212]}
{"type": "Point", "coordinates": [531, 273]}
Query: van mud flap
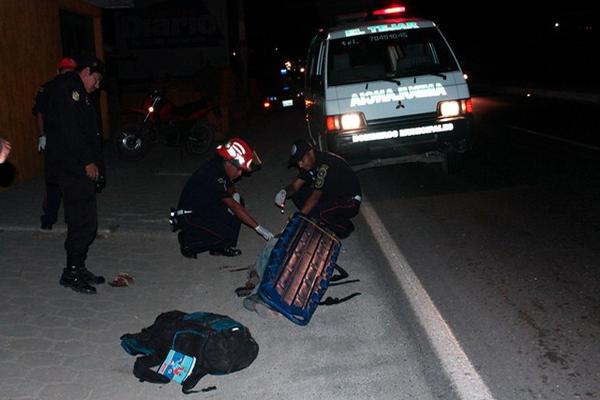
{"type": "Point", "coordinates": [429, 157]}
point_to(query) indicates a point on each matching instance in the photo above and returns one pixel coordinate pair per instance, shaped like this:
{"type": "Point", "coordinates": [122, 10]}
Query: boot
{"type": "Point", "coordinates": [185, 251]}
{"type": "Point", "coordinates": [89, 277]}
{"type": "Point", "coordinates": [72, 279]}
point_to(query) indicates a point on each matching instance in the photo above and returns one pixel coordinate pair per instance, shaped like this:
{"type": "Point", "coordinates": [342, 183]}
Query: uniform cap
{"type": "Point", "coordinates": [299, 149]}
{"type": "Point", "coordinates": [91, 62]}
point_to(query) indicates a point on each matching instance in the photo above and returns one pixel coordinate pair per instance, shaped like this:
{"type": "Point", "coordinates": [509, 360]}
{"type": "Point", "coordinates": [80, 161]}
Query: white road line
{"type": "Point", "coordinates": [559, 139]}
{"type": "Point", "coordinates": [463, 376]}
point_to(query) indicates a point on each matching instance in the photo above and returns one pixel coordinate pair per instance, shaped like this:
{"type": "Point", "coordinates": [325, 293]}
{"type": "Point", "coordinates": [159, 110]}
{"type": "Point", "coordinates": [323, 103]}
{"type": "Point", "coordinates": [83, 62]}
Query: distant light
{"type": "Point", "coordinates": [528, 94]}
{"type": "Point", "coordinates": [234, 54]}
{"type": "Point", "coordinates": [302, 70]}
{"type": "Point", "coordinates": [465, 76]}
{"type": "Point", "coordinates": [266, 104]}
{"type": "Point", "coordinates": [150, 109]}
{"type": "Point", "coordinates": [283, 71]}
{"type": "Point", "coordinates": [276, 48]}
{"type": "Point", "coordinates": [556, 24]}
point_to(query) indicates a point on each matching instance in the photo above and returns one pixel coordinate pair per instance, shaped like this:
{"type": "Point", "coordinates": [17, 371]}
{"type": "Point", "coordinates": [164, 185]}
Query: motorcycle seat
{"type": "Point", "coordinates": [188, 109]}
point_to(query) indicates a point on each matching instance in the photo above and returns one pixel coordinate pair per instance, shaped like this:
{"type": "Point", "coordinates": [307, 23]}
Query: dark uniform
{"type": "Point", "coordinates": [74, 141]}
{"type": "Point", "coordinates": [206, 222]}
{"type": "Point", "coordinates": [52, 196]}
{"type": "Point", "coordinates": [341, 196]}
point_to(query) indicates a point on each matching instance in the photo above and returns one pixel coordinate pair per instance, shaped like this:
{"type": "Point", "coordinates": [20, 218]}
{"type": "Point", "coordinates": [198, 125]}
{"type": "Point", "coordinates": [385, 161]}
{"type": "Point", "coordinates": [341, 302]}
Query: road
{"type": "Point", "coordinates": [488, 282]}
{"type": "Point", "coordinates": [508, 248]}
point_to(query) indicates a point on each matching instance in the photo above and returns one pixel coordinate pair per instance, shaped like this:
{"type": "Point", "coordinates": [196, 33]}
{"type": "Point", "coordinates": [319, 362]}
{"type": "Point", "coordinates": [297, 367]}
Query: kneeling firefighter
{"type": "Point", "coordinates": [210, 210]}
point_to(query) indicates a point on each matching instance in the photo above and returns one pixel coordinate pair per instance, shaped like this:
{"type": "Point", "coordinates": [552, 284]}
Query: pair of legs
{"type": "Point", "coordinates": [79, 197]}
{"type": "Point", "coordinates": [213, 229]}
{"type": "Point", "coordinates": [52, 198]}
{"type": "Point", "coordinates": [332, 213]}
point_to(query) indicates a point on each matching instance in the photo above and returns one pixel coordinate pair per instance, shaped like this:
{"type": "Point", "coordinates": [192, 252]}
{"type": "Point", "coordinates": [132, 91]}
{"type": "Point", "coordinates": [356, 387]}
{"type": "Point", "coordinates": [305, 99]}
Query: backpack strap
{"type": "Point", "coordinates": [142, 369]}
{"type": "Point", "coordinates": [330, 301]}
{"type": "Point", "coordinates": [342, 274]}
{"type": "Point", "coordinates": [192, 380]}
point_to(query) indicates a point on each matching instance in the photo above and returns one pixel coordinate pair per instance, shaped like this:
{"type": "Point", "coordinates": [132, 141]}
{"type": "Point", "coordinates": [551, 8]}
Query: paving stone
{"type": "Point", "coordinates": [31, 344]}
{"type": "Point", "coordinates": [53, 374]}
{"type": "Point", "coordinates": [41, 358]}
{"type": "Point", "coordinates": [63, 391]}
{"type": "Point", "coordinates": [19, 330]}
{"type": "Point", "coordinates": [74, 348]}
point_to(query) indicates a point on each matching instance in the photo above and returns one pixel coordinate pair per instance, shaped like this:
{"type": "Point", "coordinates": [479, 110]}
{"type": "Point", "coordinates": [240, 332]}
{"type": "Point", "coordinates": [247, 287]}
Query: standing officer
{"type": "Point", "coordinates": [210, 210]}
{"type": "Point", "coordinates": [51, 202]}
{"type": "Point", "coordinates": [74, 146]}
{"type": "Point", "coordinates": [325, 189]}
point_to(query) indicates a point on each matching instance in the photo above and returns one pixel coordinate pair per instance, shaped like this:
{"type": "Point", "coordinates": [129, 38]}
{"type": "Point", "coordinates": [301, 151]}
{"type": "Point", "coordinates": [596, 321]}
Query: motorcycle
{"type": "Point", "coordinates": [158, 120]}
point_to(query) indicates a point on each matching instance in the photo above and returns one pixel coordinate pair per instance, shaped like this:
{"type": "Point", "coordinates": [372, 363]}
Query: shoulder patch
{"type": "Point", "coordinates": [321, 175]}
{"type": "Point", "coordinates": [75, 95]}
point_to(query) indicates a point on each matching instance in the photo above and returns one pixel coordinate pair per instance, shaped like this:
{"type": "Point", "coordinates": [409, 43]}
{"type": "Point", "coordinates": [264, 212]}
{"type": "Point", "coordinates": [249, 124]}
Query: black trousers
{"type": "Point", "coordinates": [333, 213]}
{"type": "Point", "coordinates": [81, 215]}
{"type": "Point", "coordinates": [51, 203]}
{"type": "Point", "coordinates": [52, 197]}
{"type": "Point", "coordinates": [212, 228]}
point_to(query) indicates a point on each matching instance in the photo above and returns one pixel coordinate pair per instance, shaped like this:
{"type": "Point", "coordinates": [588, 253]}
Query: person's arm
{"type": "Point", "coordinates": [4, 150]}
{"type": "Point", "coordinates": [69, 110]}
{"type": "Point", "coordinates": [39, 117]}
{"type": "Point", "coordinates": [240, 212]}
{"type": "Point", "coordinates": [311, 202]}
{"type": "Point", "coordinates": [293, 187]}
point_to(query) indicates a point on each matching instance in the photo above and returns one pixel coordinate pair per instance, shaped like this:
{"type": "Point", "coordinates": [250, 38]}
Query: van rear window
{"type": "Point", "coordinates": [388, 55]}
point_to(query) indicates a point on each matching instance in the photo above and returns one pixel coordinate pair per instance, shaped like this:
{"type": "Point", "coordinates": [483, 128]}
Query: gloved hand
{"type": "Point", "coordinates": [42, 143]}
{"type": "Point", "coordinates": [264, 232]}
{"type": "Point", "coordinates": [236, 196]}
{"type": "Point", "coordinates": [280, 198]}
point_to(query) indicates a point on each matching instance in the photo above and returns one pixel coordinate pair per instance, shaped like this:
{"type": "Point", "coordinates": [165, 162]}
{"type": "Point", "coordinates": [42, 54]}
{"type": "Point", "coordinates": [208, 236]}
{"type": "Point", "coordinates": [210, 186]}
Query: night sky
{"type": "Point", "coordinates": [502, 41]}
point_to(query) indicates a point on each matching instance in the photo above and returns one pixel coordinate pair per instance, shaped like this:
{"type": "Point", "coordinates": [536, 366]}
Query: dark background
{"type": "Point", "coordinates": [497, 42]}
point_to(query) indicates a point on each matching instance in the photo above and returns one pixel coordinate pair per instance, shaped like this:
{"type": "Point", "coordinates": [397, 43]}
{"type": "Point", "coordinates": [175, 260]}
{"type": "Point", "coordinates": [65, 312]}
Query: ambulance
{"type": "Point", "coordinates": [386, 89]}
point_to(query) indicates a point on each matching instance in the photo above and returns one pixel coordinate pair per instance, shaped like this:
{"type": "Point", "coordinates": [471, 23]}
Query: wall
{"type": "Point", "coordinates": [29, 50]}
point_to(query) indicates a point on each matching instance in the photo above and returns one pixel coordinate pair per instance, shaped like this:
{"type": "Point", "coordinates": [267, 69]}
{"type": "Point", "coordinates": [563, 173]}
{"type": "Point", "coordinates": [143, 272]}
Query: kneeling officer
{"type": "Point", "coordinates": [209, 212]}
{"type": "Point", "coordinates": [326, 188]}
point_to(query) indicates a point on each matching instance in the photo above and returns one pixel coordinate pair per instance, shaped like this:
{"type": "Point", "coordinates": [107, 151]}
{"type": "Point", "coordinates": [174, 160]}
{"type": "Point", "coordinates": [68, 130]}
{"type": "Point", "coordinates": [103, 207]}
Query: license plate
{"type": "Point", "coordinates": [287, 103]}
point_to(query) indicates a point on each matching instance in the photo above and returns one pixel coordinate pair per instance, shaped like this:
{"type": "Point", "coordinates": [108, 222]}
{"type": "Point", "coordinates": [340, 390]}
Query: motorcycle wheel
{"type": "Point", "coordinates": [200, 139]}
{"type": "Point", "coordinates": [131, 140]}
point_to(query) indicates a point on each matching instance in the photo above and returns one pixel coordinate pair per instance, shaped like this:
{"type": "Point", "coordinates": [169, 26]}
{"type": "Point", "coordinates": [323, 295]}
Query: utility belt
{"type": "Point", "coordinates": [173, 221]}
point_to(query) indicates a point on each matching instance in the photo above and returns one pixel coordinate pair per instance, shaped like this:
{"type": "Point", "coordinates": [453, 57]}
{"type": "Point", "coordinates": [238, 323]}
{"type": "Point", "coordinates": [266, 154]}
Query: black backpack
{"type": "Point", "coordinates": [220, 345]}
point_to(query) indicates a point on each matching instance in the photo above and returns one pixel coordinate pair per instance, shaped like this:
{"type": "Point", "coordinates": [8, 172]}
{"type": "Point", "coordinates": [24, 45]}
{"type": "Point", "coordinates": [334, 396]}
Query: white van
{"type": "Point", "coordinates": [386, 90]}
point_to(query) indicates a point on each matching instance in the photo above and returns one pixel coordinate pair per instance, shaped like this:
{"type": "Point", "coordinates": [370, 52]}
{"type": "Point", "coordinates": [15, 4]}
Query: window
{"type": "Point", "coordinates": [388, 55]}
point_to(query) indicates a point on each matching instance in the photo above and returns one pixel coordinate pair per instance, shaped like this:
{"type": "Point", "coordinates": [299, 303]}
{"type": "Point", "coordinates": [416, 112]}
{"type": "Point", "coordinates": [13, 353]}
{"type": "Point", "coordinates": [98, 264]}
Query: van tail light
{"type": "Point", "coordinates": [454, 108]}
{"type": "Point", "coordinates": [345, 122]}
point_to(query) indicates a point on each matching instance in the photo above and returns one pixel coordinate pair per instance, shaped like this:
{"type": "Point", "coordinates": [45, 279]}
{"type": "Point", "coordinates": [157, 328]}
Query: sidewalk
{"type": "Point", "coordinates": [57, 344]}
